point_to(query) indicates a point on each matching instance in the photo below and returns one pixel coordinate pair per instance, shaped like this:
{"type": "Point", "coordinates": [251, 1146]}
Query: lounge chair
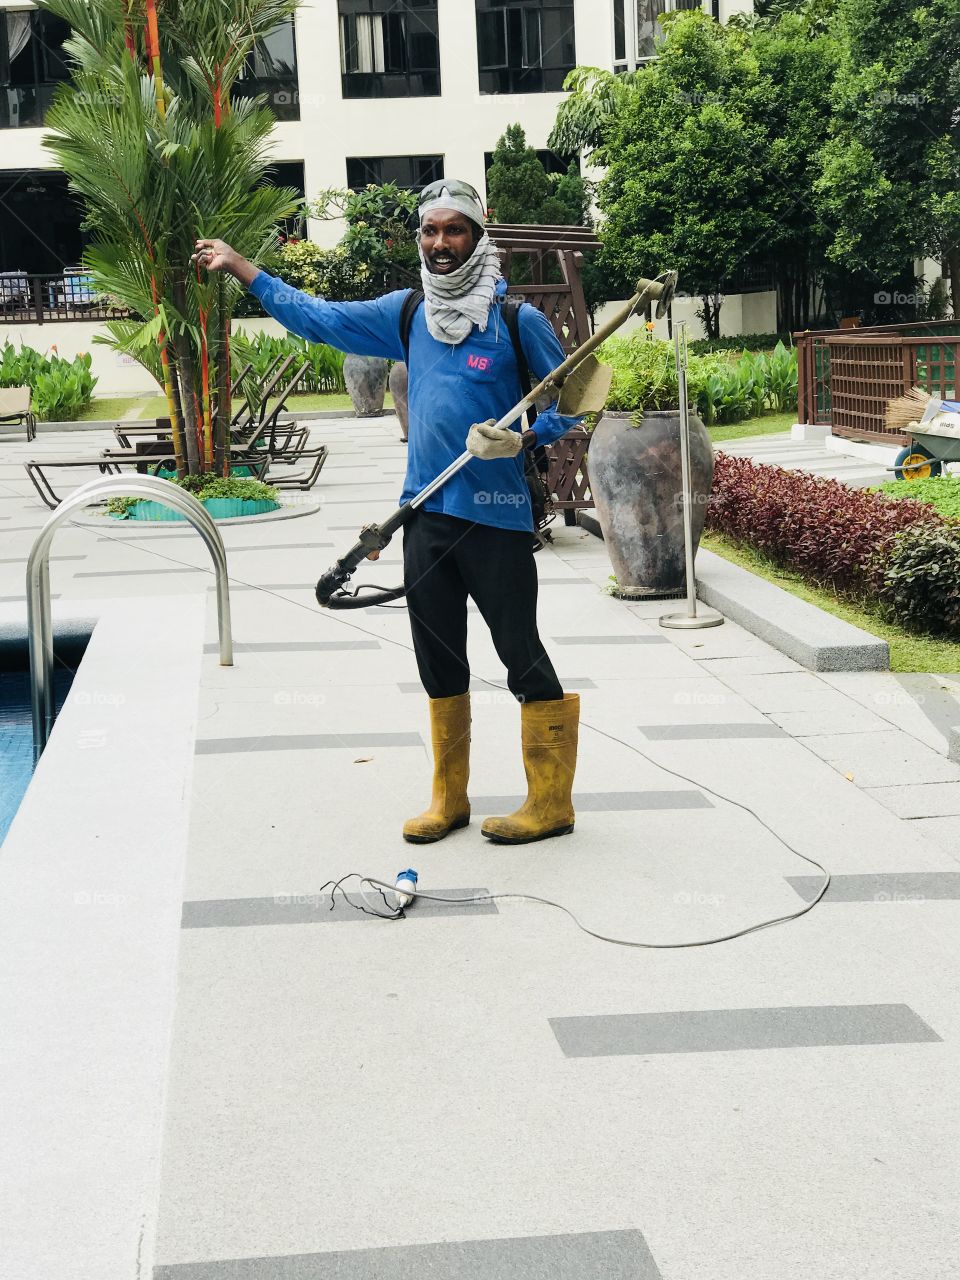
{"type": "Point", "coordinates": [15, 410]}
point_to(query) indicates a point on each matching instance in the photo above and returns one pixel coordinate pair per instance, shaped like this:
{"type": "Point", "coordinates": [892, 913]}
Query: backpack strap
{"type": "Point", "coordinates": [407, 311]}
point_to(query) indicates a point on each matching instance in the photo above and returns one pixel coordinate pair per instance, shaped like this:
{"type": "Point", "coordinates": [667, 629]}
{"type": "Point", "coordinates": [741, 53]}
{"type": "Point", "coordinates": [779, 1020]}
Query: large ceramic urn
{"type": "Point", "coordinates": [398, 389]}
{"type": "Point", "coordinates": [635, 480]}
{"type": "Point", "coordinates": [366, 379]}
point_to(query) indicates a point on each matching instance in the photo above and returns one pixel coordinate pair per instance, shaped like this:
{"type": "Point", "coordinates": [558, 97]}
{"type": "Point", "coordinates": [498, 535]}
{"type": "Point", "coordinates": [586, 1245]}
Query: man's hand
{"type": "Point", "coordinates": [487, 440]}
{"type": "Point", "coordinates": [216, 255]}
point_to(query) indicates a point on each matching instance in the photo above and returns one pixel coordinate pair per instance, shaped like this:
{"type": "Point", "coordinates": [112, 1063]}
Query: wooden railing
{"type": "Point", "coordinates": [846, 377]}
{"type": "Point", "coordinates": [39, 299]}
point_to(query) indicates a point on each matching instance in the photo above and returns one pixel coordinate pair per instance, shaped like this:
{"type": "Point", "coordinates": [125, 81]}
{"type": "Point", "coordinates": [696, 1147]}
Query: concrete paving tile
{"type": "Point", "coordinates": [710, 1030]}
{"type": "Point", "coordinates": [615, 1255]}
{"type": "Point", "coordinates": [883, 758]}
{"type": "Point", "coordinates": [762, 664]}
{"type": "Point", "coordinates": [883, 887]}
{"type": "Point", "coordinates": [943, 832]}
{"type": "Point", "coordinates": [604, 801]}
{"type": "Point", "coordinates": [919, 800]}
{"type": "Point", "coordinates": [318, 908]}
{"type": "Point", "coordinates": [306, 742]}
{"type": "Point", "coordinates": [682, 732]}
{"type": "Point", "coordinates": [583, 641]}
{"type": "Point", "coordinates": [790, 691]}
{"type": "Point", "coordinates": [805, 724]}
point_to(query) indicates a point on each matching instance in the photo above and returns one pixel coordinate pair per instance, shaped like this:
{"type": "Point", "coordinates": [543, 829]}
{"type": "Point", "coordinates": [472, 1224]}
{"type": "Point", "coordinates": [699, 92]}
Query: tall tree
{"type": "Point", "coordinates": [890, 180]}
{"type": "Point", "coordinates": [685, 183]}
{"type": "Point", "coordinates": [161, 155]}
{"type": "Point", "coordinates": [519, 189]}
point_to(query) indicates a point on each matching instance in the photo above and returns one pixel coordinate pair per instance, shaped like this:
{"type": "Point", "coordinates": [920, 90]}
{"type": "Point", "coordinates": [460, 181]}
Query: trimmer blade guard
{"type": "Point", "coordinates": [585, 390]}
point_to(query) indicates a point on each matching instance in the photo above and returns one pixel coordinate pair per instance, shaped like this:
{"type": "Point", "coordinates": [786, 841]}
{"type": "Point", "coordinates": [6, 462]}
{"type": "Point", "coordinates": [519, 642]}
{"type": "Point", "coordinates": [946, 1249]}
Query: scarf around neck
{"type": "Point", "coordinates": [455, 302]}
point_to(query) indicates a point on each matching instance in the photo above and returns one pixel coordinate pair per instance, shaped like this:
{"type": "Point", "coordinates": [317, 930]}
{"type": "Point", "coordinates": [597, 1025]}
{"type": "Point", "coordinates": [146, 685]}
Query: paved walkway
{"type": "Point", "coordinates": [486, 1092]}
{"type": "Point", "coordinates": [806, 455]}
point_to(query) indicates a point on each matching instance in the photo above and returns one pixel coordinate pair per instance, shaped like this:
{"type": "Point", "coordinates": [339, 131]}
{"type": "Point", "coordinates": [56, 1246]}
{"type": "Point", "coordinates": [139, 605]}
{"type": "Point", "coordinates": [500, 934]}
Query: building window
{"type": "Point", "coordinates": [636, 29]}
{"type": "Point", "coordinates": [524, 46]}
{"type": "Point", "coordinates": [389, 48]}
{"type": "Point", "coordinates": [412, 172]}
{"type": "Point", "coordinates": [271, 70]}
{"type": "Point", "coordinates": [32, 65]}
{"type": "Point", "coordinates": [39, 198]}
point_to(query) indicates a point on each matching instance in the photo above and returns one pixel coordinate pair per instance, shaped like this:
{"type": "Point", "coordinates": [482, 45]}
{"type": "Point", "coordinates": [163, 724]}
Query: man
{"type": "Point", "coordinates": [473, 537]}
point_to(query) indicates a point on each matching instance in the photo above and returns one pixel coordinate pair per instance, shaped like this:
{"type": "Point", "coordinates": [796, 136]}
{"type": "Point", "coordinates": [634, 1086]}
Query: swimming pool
{"type": "Point", "coordinates": [16, 728]}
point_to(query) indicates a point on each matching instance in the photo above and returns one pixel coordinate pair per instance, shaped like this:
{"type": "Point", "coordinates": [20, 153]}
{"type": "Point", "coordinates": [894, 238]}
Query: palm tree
{"type": "Point", "coordinates": [161, 155]}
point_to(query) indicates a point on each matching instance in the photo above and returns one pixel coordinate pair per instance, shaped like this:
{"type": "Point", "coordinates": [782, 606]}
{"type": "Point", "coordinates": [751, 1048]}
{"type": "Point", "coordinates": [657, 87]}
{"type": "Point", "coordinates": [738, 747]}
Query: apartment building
{"type": "Point", "coordinates": [363, 90]}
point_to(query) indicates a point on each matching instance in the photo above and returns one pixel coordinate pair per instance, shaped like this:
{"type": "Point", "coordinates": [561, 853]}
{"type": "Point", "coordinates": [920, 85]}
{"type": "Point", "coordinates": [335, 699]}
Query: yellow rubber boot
{"type": "Point", "coordinates": [549, 739]}
{"type": "Point", "coordinates": [449, 806]}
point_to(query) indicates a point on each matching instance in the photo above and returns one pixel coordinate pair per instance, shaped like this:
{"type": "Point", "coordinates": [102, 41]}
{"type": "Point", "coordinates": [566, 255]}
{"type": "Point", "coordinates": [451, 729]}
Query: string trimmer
{"type": "Point", "coordinates": [580, 385]}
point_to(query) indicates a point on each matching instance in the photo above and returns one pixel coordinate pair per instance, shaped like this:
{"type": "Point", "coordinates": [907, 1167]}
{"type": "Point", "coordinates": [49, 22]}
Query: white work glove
{"type": "Point", "coordinates": [487, 440]}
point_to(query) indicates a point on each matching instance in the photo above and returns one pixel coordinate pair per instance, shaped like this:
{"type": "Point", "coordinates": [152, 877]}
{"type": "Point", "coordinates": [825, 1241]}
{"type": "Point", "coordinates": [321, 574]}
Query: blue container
{"type": "Point", "coordinates": [219, 508]}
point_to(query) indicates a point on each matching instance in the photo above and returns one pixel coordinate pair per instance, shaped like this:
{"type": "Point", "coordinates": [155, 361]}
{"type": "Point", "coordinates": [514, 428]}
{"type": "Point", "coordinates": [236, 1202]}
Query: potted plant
{"type": "Point", "coordinates": [224, 498]}
{"type": "Point", "coordinates": [635, 467]}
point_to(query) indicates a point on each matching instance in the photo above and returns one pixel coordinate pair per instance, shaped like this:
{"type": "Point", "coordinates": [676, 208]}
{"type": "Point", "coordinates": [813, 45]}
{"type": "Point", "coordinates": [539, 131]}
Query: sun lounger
{"type": "Point", "coordinates": [15, 410]}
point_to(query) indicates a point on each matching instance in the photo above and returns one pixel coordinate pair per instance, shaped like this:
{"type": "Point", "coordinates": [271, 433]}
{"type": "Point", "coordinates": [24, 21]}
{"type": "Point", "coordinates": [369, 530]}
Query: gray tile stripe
{"type": "Point", "coordinates": [53, 559]}
{"type": "Point", "coordinates": [604, 801]}
{"type": "Point", "coordinates": [314, 908]}
{"type": "Point", "coordinates": [266, 586]}
{"type": "Point", "coordinates": [666, 732]}
{"type": "Point", "coordinates": [136, 573]}
{"type": "Point", "coordinates": [306, 742]}
{"type": "Point", "coordinates": [23, 598]}
{"type": "Point", "coordinates": [482, 686]}
{"type": "Point", "coordinates": [882, 886]}
{"type": "Point", "coordinates": [296, 646]}
{"type": "Point", "coordinates": [707, 1030]}
{"type": "Point", "coordinates": [609, 640]}
{"type": "Point", "coordinates": [597, 1255]}
{"type": "Point", "coordinates": [567, 582]}
{"type": "Point", "coordinates": [281, 546]}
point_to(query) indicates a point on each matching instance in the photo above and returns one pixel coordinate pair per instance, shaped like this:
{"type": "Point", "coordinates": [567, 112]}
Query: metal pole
{"type": "Point", "coordinates": [691, 620]}
{"type": "Point", "coordinates": [39, 623]}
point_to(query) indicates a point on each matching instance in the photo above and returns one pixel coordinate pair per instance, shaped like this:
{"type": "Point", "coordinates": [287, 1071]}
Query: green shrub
{"type": "Point", "coordinates": [942, 492]}
{"type": "Point", "coordinates": [723, 390]}
{"type": "Point", "coordinates": [744, 342]}
{"type": "Point", "coordinates": [208, 486]}
{"type": "Point", "coordinates": [334, 274]}
{"type": "Point", "coordinates": [920, 580]}
{"type": "Point", "coordinates": [324, 375]}
{"type": "Point", "coordinates": [60, 389]}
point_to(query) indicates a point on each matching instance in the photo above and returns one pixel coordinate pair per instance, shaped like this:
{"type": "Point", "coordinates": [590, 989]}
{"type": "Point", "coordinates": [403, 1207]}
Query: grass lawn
{"type": "Point", "coordinates": [769, 424]}
{"type": "Point", "coordinates": [156, 406]}
{"type": "Point", "coordinates": [109, 407]}
{"type": "Point", "coordinates": [908, 652]}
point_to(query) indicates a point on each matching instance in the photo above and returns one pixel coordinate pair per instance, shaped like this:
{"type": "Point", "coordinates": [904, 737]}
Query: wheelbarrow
{"type": "Point", "coordinates": [934, 440]}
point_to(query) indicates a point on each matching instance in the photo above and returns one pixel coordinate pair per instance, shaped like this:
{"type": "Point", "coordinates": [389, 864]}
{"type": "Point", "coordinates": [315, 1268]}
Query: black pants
{"type": "Point", "coordinates": [445, 560]}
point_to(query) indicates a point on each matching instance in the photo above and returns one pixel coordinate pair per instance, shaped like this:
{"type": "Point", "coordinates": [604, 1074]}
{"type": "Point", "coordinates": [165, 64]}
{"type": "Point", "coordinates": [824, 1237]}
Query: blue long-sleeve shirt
{"type": "Point", "coordinates": [450, 387]}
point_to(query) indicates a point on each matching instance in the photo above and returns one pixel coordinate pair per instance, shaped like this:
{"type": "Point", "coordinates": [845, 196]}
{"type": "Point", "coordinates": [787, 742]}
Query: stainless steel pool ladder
{"type": "Point", "coordinates": [39, 622]}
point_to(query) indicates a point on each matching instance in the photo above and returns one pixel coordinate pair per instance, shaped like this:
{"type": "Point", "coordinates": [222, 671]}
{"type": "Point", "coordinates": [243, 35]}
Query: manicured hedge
{"type": "Point", "coordinates": [897, 553]}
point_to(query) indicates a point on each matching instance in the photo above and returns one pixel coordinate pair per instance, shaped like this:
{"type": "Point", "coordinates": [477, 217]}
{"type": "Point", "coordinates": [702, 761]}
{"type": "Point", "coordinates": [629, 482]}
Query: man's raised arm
{"type": "Point", "coordinates": [359, 328]}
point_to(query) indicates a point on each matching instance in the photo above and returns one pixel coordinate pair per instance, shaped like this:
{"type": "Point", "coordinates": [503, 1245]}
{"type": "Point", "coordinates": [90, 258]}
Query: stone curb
{"type": "Point", "coordinates": [809, 635]}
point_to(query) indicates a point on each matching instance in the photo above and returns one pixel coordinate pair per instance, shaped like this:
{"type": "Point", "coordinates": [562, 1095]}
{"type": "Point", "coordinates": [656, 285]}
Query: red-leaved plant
{"type": "Point", "coordinates": [834, 535]}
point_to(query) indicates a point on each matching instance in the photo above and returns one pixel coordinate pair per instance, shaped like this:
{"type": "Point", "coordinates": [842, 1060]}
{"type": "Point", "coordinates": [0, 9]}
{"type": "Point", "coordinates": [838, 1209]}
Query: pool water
{"type": "Point", "coordinates": [16, 737]}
